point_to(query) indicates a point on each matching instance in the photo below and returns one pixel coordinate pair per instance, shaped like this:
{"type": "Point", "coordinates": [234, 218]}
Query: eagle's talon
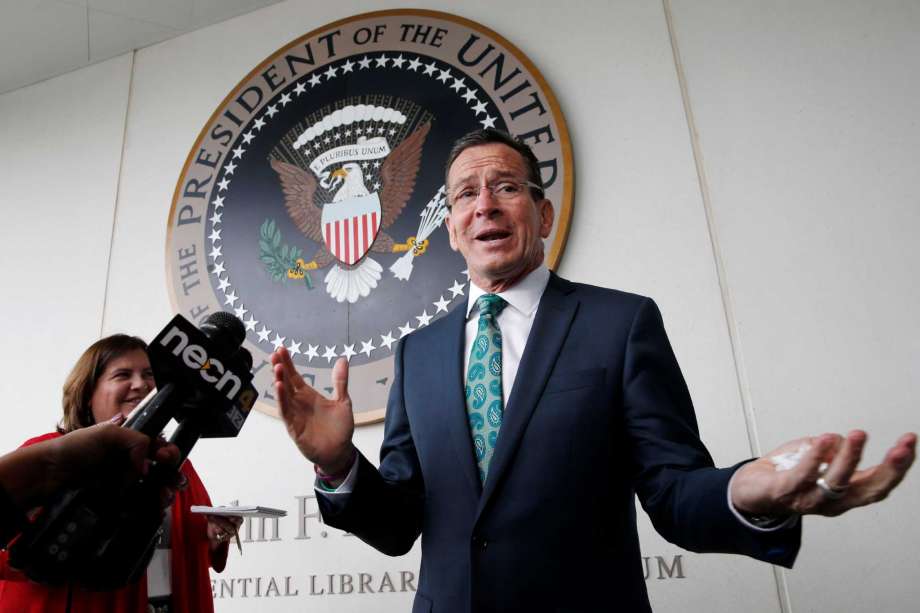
{"type": "Point", "coordinates": [407, 246]}
{"type": "Point", "coordinates": [420, 247]}
{"type": "Point", "coordinates": [299, 269]}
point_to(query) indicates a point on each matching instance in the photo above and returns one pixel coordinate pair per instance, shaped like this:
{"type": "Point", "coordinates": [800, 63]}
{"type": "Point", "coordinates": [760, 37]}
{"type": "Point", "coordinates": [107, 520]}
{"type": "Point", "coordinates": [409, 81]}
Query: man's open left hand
{"type": "Point", "coordinates": [762, 487]}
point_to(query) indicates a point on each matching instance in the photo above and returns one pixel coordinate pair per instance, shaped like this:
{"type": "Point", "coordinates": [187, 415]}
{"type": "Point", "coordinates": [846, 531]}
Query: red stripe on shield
{"type": "Point", "coordinates": [338, 248]}
{"type": "Point", "coordinates": [347, 251]}
{"type": "Point", "coordinates": [366, 244]}
{"type": "Point", "coordinates": [355, 247]}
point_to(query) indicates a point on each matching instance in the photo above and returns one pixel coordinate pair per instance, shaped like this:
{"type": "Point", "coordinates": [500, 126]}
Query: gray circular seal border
{"type": "Point", "coordinates": [532, 112]}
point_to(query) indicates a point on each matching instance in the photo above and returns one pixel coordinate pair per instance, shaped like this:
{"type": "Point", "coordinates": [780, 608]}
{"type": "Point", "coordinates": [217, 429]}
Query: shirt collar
{"type": "Point", "coordinates": [524, 296]}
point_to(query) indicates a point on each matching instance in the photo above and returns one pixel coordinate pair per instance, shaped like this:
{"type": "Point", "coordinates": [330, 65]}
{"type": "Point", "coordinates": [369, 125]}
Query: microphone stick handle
{"type": "Point", "coordinates": [185, 436]}
{"type": "Point", "coordinates": [156, 413]}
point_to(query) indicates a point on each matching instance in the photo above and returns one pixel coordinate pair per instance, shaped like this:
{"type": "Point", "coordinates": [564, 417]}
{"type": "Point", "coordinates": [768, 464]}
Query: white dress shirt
{"type": "Point", "coordinates": [515, 322]}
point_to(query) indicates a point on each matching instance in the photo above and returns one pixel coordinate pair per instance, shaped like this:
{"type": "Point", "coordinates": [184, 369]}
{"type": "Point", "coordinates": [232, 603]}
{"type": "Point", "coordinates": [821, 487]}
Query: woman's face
{"type": "Point", "coordinates": [126, 380]}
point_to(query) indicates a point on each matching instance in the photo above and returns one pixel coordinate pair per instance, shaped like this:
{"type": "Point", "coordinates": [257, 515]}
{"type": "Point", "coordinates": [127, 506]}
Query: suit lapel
{"type": "Point", "coordinates": [549, 331]}
{"type": "Point", "coordinates": [453, 380]}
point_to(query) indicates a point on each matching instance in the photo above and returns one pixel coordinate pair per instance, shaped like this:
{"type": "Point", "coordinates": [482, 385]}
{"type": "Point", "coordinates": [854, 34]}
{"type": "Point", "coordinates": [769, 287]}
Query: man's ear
{"type": "Point", "coordinates": [547, 215]}
{"type": "Point", "coordinates": [451, 231]}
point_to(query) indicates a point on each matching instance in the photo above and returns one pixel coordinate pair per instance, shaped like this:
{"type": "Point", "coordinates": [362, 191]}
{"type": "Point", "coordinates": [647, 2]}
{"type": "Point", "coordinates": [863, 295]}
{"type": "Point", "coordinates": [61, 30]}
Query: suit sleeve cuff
{"type": "Point", "coordinates": [345, 487]}
{"type": "Point", "coordinates": [759, 523]}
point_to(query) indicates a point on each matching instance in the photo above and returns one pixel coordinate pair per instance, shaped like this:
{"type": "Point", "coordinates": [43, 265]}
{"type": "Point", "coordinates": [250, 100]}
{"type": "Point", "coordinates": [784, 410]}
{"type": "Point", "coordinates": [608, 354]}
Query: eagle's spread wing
{"type": "Point", "coordinates": [399, 173]}
{"type": "Point", "coordinates": [299, 187]}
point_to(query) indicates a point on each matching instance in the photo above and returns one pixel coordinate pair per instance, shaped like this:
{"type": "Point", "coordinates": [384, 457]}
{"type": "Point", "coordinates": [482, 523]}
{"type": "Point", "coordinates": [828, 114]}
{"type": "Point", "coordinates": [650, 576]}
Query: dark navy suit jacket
{"type": "Point", "coordinates": [598, 414]}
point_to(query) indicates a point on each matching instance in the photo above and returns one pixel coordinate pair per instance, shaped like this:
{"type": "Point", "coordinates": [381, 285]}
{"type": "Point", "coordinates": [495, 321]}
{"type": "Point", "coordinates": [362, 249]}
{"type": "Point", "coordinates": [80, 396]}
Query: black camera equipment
{"type": "Point", "coordinates": [102, 535]}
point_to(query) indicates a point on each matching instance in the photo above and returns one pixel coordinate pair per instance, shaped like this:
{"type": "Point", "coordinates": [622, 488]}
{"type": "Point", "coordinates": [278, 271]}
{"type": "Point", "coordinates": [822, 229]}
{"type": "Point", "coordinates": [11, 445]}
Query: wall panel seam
{"type": "Point", "coordinates": [118, 178]}
{"type": "Point", "coordinates": [731, 323]}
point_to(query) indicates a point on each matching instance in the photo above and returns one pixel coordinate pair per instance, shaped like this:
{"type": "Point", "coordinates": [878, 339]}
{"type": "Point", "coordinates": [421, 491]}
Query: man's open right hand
{"type": "Point", "coordinates": [320, 427]}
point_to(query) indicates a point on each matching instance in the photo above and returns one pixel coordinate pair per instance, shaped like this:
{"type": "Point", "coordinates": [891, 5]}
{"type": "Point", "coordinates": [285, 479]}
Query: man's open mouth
{"type": "Point", "coordinates": [492, 235]}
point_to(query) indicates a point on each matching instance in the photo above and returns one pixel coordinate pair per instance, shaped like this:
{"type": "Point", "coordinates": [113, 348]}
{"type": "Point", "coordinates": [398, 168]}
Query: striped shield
{"type": "Point", "coordinates": [350, 227]}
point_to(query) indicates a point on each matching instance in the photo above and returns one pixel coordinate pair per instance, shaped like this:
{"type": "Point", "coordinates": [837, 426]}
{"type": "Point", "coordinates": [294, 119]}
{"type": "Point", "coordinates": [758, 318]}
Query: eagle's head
{"type": "Point", "coordinates": [353, 178]}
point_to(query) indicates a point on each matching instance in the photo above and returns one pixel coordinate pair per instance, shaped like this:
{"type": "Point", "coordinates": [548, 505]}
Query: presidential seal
{"type": "Point", "coordinates": [312, 204]}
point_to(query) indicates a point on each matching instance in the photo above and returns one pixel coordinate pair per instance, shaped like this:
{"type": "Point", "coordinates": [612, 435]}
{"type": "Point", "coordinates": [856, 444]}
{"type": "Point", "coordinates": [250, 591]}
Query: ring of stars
{"type": "Point", "coordinates": [295, 346]}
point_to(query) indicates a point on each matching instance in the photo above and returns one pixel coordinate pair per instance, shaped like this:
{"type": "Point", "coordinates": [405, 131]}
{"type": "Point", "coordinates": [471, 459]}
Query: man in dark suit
{"type": "Point", "coordinates": [519, 429]}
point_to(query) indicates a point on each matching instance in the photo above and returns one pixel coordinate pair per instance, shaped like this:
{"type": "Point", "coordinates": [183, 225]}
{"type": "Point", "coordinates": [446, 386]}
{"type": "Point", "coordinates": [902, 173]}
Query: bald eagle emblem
{"type": "Point", "coordinates": [353, 223]}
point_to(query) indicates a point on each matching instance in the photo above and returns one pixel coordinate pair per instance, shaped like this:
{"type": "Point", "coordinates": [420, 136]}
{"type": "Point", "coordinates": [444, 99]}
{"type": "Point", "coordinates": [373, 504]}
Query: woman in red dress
{"type": "Point", "coordinates": [111, 378]}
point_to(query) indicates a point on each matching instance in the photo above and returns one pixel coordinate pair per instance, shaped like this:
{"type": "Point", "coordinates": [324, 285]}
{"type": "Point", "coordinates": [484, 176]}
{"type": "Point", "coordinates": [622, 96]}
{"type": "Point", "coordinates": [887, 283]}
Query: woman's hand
{"type": "Point", "coordinates": [221, 529]}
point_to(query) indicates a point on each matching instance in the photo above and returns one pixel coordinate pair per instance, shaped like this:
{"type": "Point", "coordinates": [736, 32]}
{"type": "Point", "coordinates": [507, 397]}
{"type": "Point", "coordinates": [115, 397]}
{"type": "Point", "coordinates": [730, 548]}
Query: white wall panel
{"type": "Point", "coordinates": [59, 159]}
{"type": "Point", "coordinates": [807, 120]}
{"type": "Point", "coordinates": [639, 225]}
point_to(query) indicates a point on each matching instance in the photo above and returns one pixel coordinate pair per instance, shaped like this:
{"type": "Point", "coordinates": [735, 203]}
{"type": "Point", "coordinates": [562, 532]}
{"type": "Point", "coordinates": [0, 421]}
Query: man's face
{"type": "Point", "coordinates": [500, 239]}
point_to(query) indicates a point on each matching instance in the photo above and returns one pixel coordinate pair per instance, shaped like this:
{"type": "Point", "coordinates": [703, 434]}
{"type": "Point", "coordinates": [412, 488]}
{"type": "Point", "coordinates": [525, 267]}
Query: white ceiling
{"type": "Point", "coordinates": [40, 39]}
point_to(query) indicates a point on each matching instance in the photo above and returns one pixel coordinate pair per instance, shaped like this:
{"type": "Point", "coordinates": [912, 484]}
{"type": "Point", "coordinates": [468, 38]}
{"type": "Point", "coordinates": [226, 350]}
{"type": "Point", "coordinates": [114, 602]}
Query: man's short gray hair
{"type": "Point", "coordinates": [488, 136]}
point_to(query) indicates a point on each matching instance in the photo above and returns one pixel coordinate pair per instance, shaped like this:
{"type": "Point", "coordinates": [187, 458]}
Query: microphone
{"type": "Point", "coordinates": [202, 375]}
{"type": "Point", "coordinates": [102, 535]}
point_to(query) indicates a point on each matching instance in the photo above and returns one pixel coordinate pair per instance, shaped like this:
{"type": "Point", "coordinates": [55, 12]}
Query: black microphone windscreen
{"type": "Point", "coordinates": [224, 326]}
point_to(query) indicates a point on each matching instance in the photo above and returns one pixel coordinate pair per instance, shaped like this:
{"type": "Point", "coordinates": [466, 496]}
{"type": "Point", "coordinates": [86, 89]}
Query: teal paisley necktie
{"type": "Point", "coordinates": [484, 403]}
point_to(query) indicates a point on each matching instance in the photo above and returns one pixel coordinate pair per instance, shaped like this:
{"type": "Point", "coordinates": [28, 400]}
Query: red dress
{"type": "Point", "coordinates": [190, 558]}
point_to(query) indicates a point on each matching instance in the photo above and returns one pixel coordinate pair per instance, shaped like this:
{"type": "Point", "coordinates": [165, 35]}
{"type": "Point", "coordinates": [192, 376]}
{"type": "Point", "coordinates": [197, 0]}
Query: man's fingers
{"type": "Point", "coordinates": [873, 484]}
{"type": "Point", "coordinates": [340, 379]}
{"type": "Point", "coordinates": [282, 381]}
{"type": "Point", "coordinates": [846, 460]}
{"type": "Point", "coordinates": [883, 478]}
{"type": "Point", "coordinates": [798, 484]}
{"type": "Point", "coordinates": [282, 394]}
{"type": "Point", "coordinates": [822, 450]}
{"type": "Point", "coordinates": [288, 372]}
{"type": "Point", "coordinates": [904, 451]}
{"type": "Point", "coordinates": [293, 404]}
{"type": "Point", "coordinates": [841, 488]}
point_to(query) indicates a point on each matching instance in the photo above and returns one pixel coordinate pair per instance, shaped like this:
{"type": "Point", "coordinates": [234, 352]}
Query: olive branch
{"type": "Point", "coordinates": [282, 261]}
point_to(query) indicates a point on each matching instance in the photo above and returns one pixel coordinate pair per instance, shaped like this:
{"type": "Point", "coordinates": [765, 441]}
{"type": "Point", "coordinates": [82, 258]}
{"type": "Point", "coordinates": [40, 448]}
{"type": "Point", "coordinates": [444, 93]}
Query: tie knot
{"type": "Point", "coordinates": [491, 304]}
